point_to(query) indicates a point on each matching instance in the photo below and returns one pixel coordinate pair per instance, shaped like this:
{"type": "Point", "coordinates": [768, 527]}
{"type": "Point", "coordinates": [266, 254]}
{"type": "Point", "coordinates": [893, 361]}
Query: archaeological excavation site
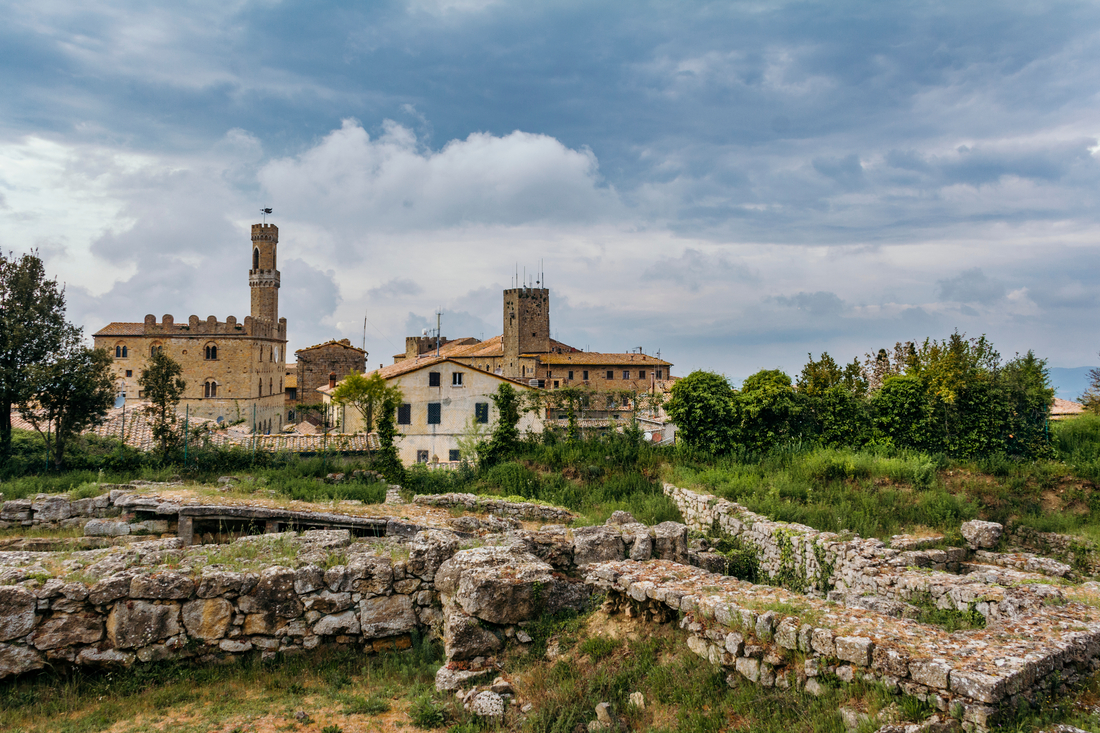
{"type": "Point", "coordinates": [156, 574]}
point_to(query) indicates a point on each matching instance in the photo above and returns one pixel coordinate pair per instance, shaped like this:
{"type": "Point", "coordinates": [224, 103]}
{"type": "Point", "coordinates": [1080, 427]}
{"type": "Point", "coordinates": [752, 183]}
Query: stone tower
{"type": "Point", "coordinates": [526, 326]}
{"type": "Point", "coordinates": [263, 277]}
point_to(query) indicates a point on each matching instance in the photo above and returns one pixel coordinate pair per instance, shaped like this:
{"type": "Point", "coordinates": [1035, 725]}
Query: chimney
{"type": "Point", "coordinates": [332, 380]}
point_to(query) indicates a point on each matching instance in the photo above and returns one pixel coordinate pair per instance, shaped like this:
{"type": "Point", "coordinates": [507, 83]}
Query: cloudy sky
{"type": "Point", "coordinates": [735, 183]}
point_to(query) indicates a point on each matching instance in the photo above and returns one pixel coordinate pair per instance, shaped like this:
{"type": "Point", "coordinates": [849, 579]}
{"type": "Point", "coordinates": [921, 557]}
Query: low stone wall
{"type": "Point", "coordinates": [1077, 552]}
{"type": "Point", "coordinates": [368, 601]}
{"type": "Point", "coordinates": [518, 510]}
{"type": "Point", "coordinates": [773, 637]}
{"type": "Point", "coordinates": [852, 568]}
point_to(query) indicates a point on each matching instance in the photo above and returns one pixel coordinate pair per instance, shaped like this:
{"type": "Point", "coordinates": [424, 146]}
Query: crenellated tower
{"type": "Point", "coordinates": [263, 278]}
{"type": "Point", "coordinates": [526, 326]}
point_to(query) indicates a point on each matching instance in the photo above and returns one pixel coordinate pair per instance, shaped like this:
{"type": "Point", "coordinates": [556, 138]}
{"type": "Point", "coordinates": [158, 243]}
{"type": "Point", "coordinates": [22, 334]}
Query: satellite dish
{"type": "Point", "coordinates": [423, 332]}
{"type": "Point", "coordinates": [120, 400]}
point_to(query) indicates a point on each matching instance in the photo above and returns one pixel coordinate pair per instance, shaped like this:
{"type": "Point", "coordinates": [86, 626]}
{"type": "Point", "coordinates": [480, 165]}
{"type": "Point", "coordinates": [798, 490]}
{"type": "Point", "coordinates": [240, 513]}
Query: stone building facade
{"type": "Point", "coordinates": [317, 363]}
{"type": "Point", "coordinates": [525, 352]}
{"type": "Point", "coordinates": [442, 400]}
{"type": "Point", "coordinates": [234, 370]}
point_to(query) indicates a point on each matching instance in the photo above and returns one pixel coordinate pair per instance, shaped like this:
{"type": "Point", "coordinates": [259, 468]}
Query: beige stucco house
{"type": "Point", "coordinates": [444, 400]}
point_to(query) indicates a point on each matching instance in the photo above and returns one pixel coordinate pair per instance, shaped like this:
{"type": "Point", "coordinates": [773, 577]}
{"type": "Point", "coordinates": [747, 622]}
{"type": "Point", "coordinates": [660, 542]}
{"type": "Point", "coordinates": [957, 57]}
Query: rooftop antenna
{"type": "Point", "coordinates": [438, 321]}
{"type": "Point", "coordinates": [265, 212]}
{"type": "Point", "coordinates": [364, 329]}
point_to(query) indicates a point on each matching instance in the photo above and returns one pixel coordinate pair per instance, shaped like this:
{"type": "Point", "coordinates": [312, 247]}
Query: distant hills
{"type": "Point", "coordinates": [1070, 383]}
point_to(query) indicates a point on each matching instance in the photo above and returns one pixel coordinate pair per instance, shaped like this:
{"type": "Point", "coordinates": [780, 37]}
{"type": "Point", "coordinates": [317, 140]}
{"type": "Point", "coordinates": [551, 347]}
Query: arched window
{"type": "Point", "coordinates": [124, 354]}
{"type": "Point", "coordinates": [118, 352]}
{"type": "Point", "coordinates": [270, 387]}
{"type": "Point", "coordinates": [156, 349]}
{"type": "Point", "coordinates": [211, 352]}
{"type": "Point", "coordinates": [272, 259]}
{"type": "Point", "coordinates": [210, 388]}
{"type": "Point", "coordinates": [261, 387]}
{"type": "Point", "coordinates": [256, 258]}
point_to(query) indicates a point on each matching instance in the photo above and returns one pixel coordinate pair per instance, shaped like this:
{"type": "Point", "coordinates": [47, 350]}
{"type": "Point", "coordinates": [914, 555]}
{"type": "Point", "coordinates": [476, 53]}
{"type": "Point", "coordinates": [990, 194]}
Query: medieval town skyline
{"type": "Point", "coordinates": [734, 185]}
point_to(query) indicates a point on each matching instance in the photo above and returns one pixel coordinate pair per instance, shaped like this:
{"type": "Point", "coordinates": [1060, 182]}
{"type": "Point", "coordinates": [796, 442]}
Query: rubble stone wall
{"type": "Point", "coordinates": [515, 509]}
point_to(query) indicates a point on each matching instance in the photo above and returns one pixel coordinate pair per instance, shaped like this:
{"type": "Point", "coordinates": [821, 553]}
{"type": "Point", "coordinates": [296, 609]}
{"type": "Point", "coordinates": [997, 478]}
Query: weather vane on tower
{"type": "Point", "coordinates": [265, 212]}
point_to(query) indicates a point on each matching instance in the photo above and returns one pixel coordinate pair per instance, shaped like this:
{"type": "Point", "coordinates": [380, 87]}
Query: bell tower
{"type": "Point", "coordinates": [263, 278]}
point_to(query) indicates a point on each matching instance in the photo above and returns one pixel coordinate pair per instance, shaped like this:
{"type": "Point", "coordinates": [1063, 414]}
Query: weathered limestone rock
{"type": "Point", "coordinates": [465, 638]}
{"type": "Point", "coordinates": [854, 649]}
{"type": "Point", "coordinates": [93, 656]}
{"type": "Point", "coordinates": [162, 586]}
{"type": "Point", "coordinates": [149, 526]}
{"type": "Point", "coordinates": [597, 544]}
{"type": "Point", "coordinates": [218, 583]}
{"type": "Point", "coordinates": [68, 629]}
{"type": "Point", "coordinates": [134, 624]}
{"type": "Point", "coordinates": [18, 659]}
{"type": "Point", "coordinates": [308, 579]}
{"type": "Point", "coordinates": [340, 623]}
{"type": "Point", "coordinates": [16, 510]}
{"type": "Point", "coordinates": [106, 528]}
{"type": "Point", "coordinates": [428, 550]}
{"type": "Point", "coordinates": [109, 589]}
{"type": "Point", "coordinates": [386, 616]}
{"type": "Point", "coordinates": [369, 574]}
{"type": "Point", "coordinates": [16, 612]}
{"type": "Point", "coordinates": [671, 542]}
{"type": "Point", "coordinates": [207, 619]}
{"type": "Point", "coordinates": [620, 517]}
{"type": "Point", "coordinates": [329, 602]}
{"type": "Point", "coordinates": [51, 508]}
{"type": "Point", "coordinates": [274, 593]}
{"type": "Point", "coordinates": [448, 680]}
{"type": "Point", "coordinates": [487, 704]}
{"type": "Point", "coordinates": [982, 535]}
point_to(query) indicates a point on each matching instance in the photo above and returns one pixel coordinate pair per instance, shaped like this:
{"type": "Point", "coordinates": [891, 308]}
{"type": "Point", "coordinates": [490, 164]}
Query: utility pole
{"type": "Point", "coordinates": [438, 324]}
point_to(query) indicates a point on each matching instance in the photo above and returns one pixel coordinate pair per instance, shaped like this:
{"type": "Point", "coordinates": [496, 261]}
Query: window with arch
{"type": "Point", "coordinates": [156, 349]}
{"type": "Point", "coordinates": [121, 351]}
{"type": "Point", "coordinates": [270, 386]}
{"type": "Point", "coordinates": [261, 387]}
{"type": "Point", "coordinates": [256, 258]}
{"type": "Point", "coordinates": [211, 352]}
{"type": "Point", "coordinates": [210, 388]}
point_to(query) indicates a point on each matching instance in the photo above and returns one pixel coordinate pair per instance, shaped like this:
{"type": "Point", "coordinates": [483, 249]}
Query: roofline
{"type": "Point", "coordinates": [433, 361]}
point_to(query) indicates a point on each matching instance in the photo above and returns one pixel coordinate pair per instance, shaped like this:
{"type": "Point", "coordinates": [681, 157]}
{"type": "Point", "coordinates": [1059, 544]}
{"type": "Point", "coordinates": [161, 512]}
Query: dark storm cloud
{"type": "Point", "coordinates": [971, 286]}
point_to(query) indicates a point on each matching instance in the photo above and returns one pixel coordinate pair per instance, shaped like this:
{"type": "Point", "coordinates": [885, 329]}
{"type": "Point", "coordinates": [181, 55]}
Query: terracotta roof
{"type": "Point", "coordinates": [411, 365]}
{"type": "Point", "coordinates": [598, 359]}
{"type": "Point", "coordinates": [120, 328]}
{"type": "Point", "coordinates": [1066, 407]}
{"type": "Point", "coordinates": [345, 343]}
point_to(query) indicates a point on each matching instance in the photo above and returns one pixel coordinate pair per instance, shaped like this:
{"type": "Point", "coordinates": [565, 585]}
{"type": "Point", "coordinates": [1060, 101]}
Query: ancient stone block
{"type": "Point", "coordinates": [734, 643]}
{"type": "Point", "coordinates": [133, 624]}
{"type": "Point", "coordinates": [109, 589]}
{"type": "Point", "coordinates": [854, 649]}
{"type": "Point", "coordinates": [16, 612]}
{"type": "Point", "coordinates": [207, 619]}
{"type": "Point", "coordinates": [106, 528]}
{"type": "Point", "coordinates": [219, 583]}
{"type": "Point", "coordinates": [978, 686]}
{"type": "Point", "coordinates": [786, 634]}
{"type": "Point", "coordinates": [465, 638]}
{"type": "Point", "coordinates": [19, 659]}
{"type": "Point", "coordinates": [308, 579]}
{"type": "Point", "coordinates": [670, 541]}
{"type": "Point", "coordinates": [163, 586]}
{"type": "Point", "coordinates": [822, 642]}
{"type": "Point", "coordinates": [428, 550]}
{"type": "Point", "coordinates": [93, 656]}
{"type": "Point", "coordinates": [259, 623]}
{"type": "Point", "coordinates": [274, 593]}
{"type": "Point", "coordinates": [981, 535]}
{"type": "Point", "coordinates": [370, 574]}
{"type": "Point", "coordinates": [69, 629]}
{"type": "Point", "coordinates": [597, 544]}
{"type": "Point", "coordinates": [930, 672]}
{"type": "Point", "coordinates": [748, 668]}
{"type": "Point", "coordinates": [328, 602]}
{"type": "Point", "coordinates": [340, 623]}
{"type": "Point", "coordinates": [51, 509]}
{"type": "Point", "coordinates": [386, 616]}
{"type": "Point", "coordinates": [16, 510]}
{"type": "Point", "coordinates": [890, 661]}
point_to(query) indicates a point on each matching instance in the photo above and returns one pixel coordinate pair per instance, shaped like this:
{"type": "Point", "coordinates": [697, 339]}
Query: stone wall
{"type": "Point", "coordinates": [854, 569]}
{"type": "Point", "coordinates": [518, 510]}
{"type": "Point", "coordinates": [772, 637]}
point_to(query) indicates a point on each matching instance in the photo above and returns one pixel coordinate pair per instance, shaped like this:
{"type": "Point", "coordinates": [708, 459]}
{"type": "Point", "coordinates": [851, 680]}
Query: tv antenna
{"type": "Point", "coordinates": [265, 212]}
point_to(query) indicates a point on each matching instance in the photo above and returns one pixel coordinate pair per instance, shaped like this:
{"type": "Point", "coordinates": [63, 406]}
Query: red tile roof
{"type": "Point", "coordinates": [344, 343]}
{"type": "Point", "coordinates": [120, 328]}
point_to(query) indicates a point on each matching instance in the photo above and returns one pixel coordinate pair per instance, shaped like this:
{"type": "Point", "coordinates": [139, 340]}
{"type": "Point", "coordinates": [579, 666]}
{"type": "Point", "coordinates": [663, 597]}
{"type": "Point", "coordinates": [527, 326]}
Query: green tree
{"type": "Point", "coordinates": [572, 400]}
{"type": "Point", "coordinates": [1091, 398]}
{"type": "Point", "coordinates": [366, 394]}
{"type": "Point", "coordinates": [768, 411]}
{"type": "Point", "coordinates": [818, 376]}
{"type": "Point", "coordinates": [163, 386]}
{"type": "Point", "coordinates": [387, 461]}
{"type": "Point", "coordinates": [32, 327]}
{"type": "Point", "coordinates": [69, 392]}
{"type": "Point", "coordinates": [701, 406]}
{"type": "Point", "coordinates": [504, 441]}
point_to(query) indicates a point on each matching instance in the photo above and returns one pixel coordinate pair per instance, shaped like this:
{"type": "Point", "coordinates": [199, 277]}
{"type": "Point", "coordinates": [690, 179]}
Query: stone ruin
{"type": "Point", "coordinates": [847, 610]}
